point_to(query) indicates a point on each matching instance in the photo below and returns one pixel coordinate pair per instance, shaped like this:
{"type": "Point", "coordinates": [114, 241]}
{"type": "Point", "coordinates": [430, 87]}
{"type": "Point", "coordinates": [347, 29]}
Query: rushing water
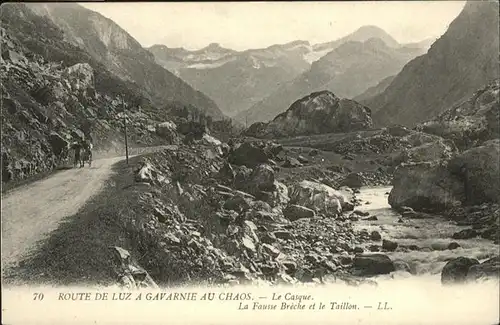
{"type": "Point", "coordinates": [432, 234]}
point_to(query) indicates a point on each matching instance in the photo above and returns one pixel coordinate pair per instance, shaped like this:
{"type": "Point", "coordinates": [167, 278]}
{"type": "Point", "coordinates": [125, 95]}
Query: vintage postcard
{"type": "Point", "coordinates": [250, 162]}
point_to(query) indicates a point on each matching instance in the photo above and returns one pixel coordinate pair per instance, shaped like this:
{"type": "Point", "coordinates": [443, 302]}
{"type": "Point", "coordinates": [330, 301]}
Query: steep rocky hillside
{"type": "Point", "coordinates": [320, 112]}
{"type": "Point", "coordinates": [463, 60]}
{"type": "Point", "coordinates": [375, 90]}
{"type": "Point", "coordinates": [122, 54]}
{"type": "Point", "coordinates": [348, 71]}
{"type": "Point", "coordinates": [471, 122]}
{"type": "Point", "coordinates": [54, 92]}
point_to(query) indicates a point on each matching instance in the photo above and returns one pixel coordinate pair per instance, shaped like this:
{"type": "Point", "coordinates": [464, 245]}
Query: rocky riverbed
{"type": "Point", "coordinates": [424, 244]}
{"type": "Point", "coordinates": [250, 212]}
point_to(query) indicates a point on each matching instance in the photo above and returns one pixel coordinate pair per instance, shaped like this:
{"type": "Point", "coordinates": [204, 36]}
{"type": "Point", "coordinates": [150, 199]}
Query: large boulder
{"type": "Point", "coordinates": [80, 77]}
{"type": "Point", "coordinates": [294, 212]}
{"type": "Point", "coordinates": [193, 129]}
{"type": "Point", "coordinates": [241, 177]}
{"type": "Point", "coordinates": [168, 131]}
{"type": "Point", "coordinates": [281, 196]}
{"type": "Point", "coordinates": [429, 151]}
{"type": "Point", "coordinates": [57, 142]}
{"type": "Point", "coordinates": [373, 264]}
{"type": "Point", "coordinates": [207, 139]}
{"type": "Point", "coordinates": [456, 270]}
{"type": "Point", "coordinates": [248, 154]}
{"type": "Point", "coordinates": [478, 168]}
{"type": "Point", "coordinates": [291, 162]}
{"type": "Point", "coordinates": [425, 186]}
{"type": "Point", "coordinates": [485, 270]}
{"type": "Point", "coordinates": [317, 196]}
{"type": "Point", "coordinates": [353, 180]}
{"type": "Point", "coordinates": [261, 179]}
{"type": "Point", "coordinates": [278, 196]}
{"type": "Point", "coordinates": [317, 113]}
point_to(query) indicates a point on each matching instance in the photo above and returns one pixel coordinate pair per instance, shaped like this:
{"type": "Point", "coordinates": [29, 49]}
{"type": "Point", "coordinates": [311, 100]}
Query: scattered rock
{"type": "Point", "coordinates": [400, 265]}
{"type": "Point", "coordinates": [465, 234]}
{"type": "Point", "coordinates": [389, 245]}
{"type": "Point", "coordinates": [345, 259]}
{"type": "Point", "coordinates": [291, 162]}
{"type": "Point", "coordinates": [361, 213]}
{"type": "Point", "coordinates": [375, 235]}
{"type": "Point", "coordinates": [261, 179]}
{"type": "Point", "coordinates": [373, 264]}
{"type": "Point", "coordinates": [283, 234]}
{"type": "Point", "coordinates": [168, 131]}
{"type": "Point", "coordinates": [131, 275]}
{"type": "Point", "coordinates": [248, 154]}
{"type": "Point", "coordinates": [455, 271]}
{"type": "Point", "coordinates": [313, 152]}
{"type": "Point", "coordinates": [358, 250]}
{"type": "Point", "coordinates": [269, 238]}
{"type": "Point", "coordinates": [317, 196]}
{"type": "Point", "coordinates": [294, 212]}
{"type": "Point", "coordinates": [303, 160]}
{"type": "Point", "coordinates": [271, 250]}
{"type": "Point", "coordinates": [57, 142]}
{"type": "Point", "coordinates": [353, 180]}
{"type": "Point", "coordinates": [488, 269]}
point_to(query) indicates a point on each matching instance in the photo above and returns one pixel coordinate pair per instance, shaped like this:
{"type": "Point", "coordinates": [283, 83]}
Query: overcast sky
{"type": "Point", "coordinates": [244, 25]}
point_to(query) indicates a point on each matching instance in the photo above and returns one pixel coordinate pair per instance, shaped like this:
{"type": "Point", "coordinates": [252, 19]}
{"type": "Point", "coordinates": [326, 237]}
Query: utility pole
{"type": "Point", "coordinates": [125, 129]}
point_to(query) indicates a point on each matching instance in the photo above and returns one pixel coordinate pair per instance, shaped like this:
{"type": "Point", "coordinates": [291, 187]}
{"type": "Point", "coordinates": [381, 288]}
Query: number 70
{"type": "Point", "coordinates": [38, 296]}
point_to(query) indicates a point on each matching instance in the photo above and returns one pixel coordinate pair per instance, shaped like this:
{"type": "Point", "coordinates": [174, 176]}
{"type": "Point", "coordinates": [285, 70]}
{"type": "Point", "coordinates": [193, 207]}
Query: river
{"type": "Point", "coordinates": [432, 235]}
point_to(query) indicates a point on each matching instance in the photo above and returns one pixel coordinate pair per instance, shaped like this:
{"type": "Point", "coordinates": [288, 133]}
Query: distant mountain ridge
{"type": "Point", "coordinates": [238, 80]}
{"type": "Point", "coordinates": [461, 61]}
{"type": "Point", "coordinates": [235, 80]}
{"type": "Point", "coordinates": [348, 71]}
{"type": "Point", "coordinates": [122, 54]}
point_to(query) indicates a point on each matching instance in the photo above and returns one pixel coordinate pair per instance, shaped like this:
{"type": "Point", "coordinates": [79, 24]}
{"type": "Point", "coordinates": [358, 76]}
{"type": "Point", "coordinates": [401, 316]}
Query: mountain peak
{"type": "Point", "coordinates": [372, 29]}
{"type": "Point", "coordinates": [367, 32]}
{"type": "Point", "coordinates": [213, 46]}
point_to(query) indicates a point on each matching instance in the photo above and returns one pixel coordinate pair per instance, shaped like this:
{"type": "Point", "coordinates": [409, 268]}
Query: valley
{"type": "Point", "coordinates": [359, 161]}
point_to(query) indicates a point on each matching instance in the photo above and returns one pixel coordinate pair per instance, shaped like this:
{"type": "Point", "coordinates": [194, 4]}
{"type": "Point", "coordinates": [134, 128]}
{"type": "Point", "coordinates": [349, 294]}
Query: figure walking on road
{"type": "Point", "coordinates": [87, 153]}
{"type": "Point", "coordinates": [78, 148]}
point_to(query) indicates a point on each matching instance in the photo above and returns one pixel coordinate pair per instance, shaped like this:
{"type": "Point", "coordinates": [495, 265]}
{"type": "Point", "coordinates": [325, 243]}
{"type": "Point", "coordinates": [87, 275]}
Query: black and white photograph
{"type": "Point", "coordinates": [209, 162]}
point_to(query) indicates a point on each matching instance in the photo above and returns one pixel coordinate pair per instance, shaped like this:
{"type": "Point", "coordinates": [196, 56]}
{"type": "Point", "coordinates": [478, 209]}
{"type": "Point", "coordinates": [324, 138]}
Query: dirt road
{"type": "Point", "coordinates": [31, 212]}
